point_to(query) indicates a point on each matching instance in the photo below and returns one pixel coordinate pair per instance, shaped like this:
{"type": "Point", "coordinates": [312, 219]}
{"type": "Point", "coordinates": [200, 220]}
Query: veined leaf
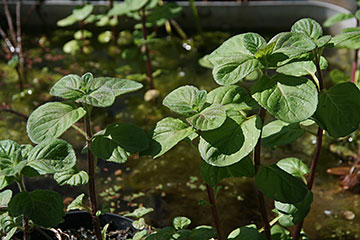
{"type": "Point", "coordinates": [11, 160]}
{"type": "Point", "coordinates": [77, 204]}
{"type": "Point", "coordinates": [185, 100]}
{"type": "Point", "coordinates": [210, 118]}
{"type": "Point", "coordinates": [72, 177]}
{"type": "Point", "coordinates": [51, 120]}
{"type": "Point", "coordinates": [118, 141]}
{"type": "Point", "coordinates": [167, 133]}
{"type": "Point", "coordinates": [5, 198]}
{"type": "Point", "coordinates": [347, 39]}
{"type": "Point", "coordinates": [278, 133]}
{"type": "Point", "coordinates": [232, 97]}
{"type": "Point", "coordinates": [213, 175]}
{"type": "Point", "coordinates": [68, 87]}
{"type": "Point", "coordinates": [290, 99]}
{"type": "Point", "coordinates": [298, 69]}
{"type": "Point", "coordinates": [52, 156]}
{"type": "Point", "coordinates": [294, 166]}
{"type": "Point", "coordinates": [338, 111]}
{"type": "Point", "coordinates": [43, 207]}
{"type": "Point", "coordinates": [309, 27]}
{"type": "Point", "coordinates": [228, 145]}
{"type": "Point", "coordinates": [279, 185]}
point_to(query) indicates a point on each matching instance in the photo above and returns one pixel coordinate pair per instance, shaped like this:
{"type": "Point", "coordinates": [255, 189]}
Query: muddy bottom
{"type": "Point", "coordinates": [87, 234]}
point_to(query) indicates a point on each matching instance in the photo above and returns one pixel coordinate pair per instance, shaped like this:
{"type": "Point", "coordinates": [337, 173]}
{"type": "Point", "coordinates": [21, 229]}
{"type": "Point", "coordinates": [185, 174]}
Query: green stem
{"type": "Point", "coordinates": [91, 172]}
{"type": "Point", "coordinates": [79, 130]}
{"type": "Point", "coordinates": [272, 222]}
{"type": "Point", "coordinates": [21, 185]}
{"type": "Point", "coordinates": [196, 16]}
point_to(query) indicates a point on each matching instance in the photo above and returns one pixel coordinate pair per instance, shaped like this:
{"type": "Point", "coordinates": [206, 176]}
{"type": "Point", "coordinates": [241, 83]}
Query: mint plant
{"type": "Point", "coordinates": [40, 207]}
{"type": "Point", "coordinates": [290, 90]}
{"type": "Point", "coordinates": [114, 143]}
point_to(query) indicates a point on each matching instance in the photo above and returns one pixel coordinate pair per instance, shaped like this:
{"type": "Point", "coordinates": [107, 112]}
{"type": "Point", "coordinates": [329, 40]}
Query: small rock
{"type": "Point", "coordinates": [118, 172]}
{"type": "Point", "coordinates": [349, 215]}
{"type": "Point", "coordinates": [151, 95]}
{"type": "Point", "coordinates": [328, 212]}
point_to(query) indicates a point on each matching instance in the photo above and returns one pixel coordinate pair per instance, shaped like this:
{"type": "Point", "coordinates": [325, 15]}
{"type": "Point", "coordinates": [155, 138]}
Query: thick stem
{"type": "Point", "coordinates": [214, 211]}
{"type": "Point", "coordinates": [148, 63]}
{"type": "Point", "coordinates": [91, 172]}
{"type": "Point", "coordinates": [26, 226]}
{"type": "Point", "coordinates": [196, 16]}
{"type": "Point", "coordinates": [316, 158]}
{"type": "Point", "coordinates": [261, 199]}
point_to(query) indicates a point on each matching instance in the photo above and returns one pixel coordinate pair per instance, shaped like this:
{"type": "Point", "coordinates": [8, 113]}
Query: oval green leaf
{"type": "Point", "coordinates": [52, 156]}
{"type": "Point", "coordinates": [278, 133]}
{"type": "Point", "coordinates": [309, 27]}
{"type": "Point", "coordinates": [51, 120]}
{"type": "Point", "coordinates": [228, 145]}
{"type": "Point", "coordinates": [339, 17]}
{"type": "Point", "coordinates": [294, 166]}
{"type": "Point", "coordinates": [43, 207]}
{"type": "Point", "coordinates": [72, 177]}
{"type": "Point", "coordinates": [290, 99]}
{"type": "Point", "coordinates": [298, 69]}
{"type": "Point", "coordinates": [167, 133]}
{"type": "Point", "coordinates": [338, 111]}
{"type": "Point", "coordinates": [279, 185]}
{"type": "Point", "coordinates": [210, 118]}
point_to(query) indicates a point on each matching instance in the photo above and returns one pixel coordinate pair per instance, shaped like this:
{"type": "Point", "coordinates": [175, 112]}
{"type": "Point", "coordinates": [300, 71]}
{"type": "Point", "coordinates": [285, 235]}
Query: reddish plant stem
{"type": "Point", "coordinates": [316, 158]}
{"type": "Point", "coordinates": [148, 63]}
{"type": "Point", "coordinates": [214, 211]}
{"type": "Point", "coordinates": [19, 50]}
{"type": "Point", "coordinates": [9, 110]}
{"type": "Point", "coordinates": [261, 199]}
{"type": "Point", "coordinates": [91, 172]}
{"type": "Point", "coordinates": [10, 22]}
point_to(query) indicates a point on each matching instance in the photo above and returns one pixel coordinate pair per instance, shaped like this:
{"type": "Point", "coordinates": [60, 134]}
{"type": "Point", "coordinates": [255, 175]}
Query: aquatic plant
{"type": "Point", "coordinates": [41, 208]}
{"type": "Point", "coordinates": [290, 90]}
{"type": "Point", "coordinates": [115, 143]}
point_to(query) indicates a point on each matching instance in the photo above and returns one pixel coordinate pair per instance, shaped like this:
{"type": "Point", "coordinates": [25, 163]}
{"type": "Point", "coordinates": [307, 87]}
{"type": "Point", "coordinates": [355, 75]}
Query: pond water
{"type": "Point", "coordinates": [170, 184]}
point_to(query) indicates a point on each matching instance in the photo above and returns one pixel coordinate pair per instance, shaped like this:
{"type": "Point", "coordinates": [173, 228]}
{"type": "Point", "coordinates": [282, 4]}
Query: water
{"type": "Point", "coordinates": [170, 184]}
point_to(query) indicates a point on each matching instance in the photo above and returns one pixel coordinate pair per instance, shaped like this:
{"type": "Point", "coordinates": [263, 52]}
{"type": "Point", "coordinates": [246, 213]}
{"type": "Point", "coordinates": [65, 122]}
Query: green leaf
{"type": "Point", "coordinates": [68, 21]}
{"type": "Point", "coordinates": [119, 9]}
{"type": "Point", "coordinates": [347, 39]}
{"type": "Point", "coordinates": [245, 233]}
{"type": "Point", "coordinates": [292, 214]}
{"type": "Point", "coordinates": [213, 175]}
{"type": "Point", "coordinates": [165, 233]}
{"type": "Point", "coordinates": [278, 133]}
{"type": "Point", "coordinates": [338, 76]}
{"type": "Point", "coordinates": [232, 97]}
{"type": "Point", "coordinates": [52, 156]}
{"type": "Point", "coordinates": [118, 141]}
{"type": "Point", "coordinates": [80, 13]}
{"type": "Point", "coordinates": [105, 37]}
{"type": "Point", "coordinates": [180, 223]}
{"type": "Point", "coordinates": [72, 177]}
{"type": "Point", "coordinates": [294, 166]}
{"type": "Point", "coordinates": [43, 207]}
{"type": "Point", "coordinates": [290, 99]}
{"type": "Point", "coordinates": [82, 34]}
{"type": "Point", "coordinates": [8, 226]}
{"type": "Point", "coordinates": [5, 198]}
{"type": "Point", "coordinates": [204, 62]}
{"type": "Point", "coordinates": [68, 87]}
{"type": "Point", "coordinates": [167, 133]}
{"type": "Point", "coordinates": [279, 233]}
{"type": "Point", "coordinates": [203, 233]}
{"type": "Point", "coordinates": [279, 185]}
{"type": "Point", "coordinates": [162, 13]}
{"type": "Point", "coordinates": [228, 145]}
{"type": "Point", "coordinates": [309, 27]}
{"type": "Point", "coordinates": [5, 181]}
{"type": "Point", "coordinates": [234, 59]}
{"type": "Point", "coordinates": [51, 120]}
{"type": "Point", "coordinates": [298, 69]}
{"type": "Point", "coordinates": [321, 42]}
{"type": "Point", "coordinates": [72, 47]}
{"type": "Point", "coordinates": [357, 14]}
{"type": "Point", "coordinates": [116, 85]}
{"type": "Point", "coordinates": [339, 17]}
{"type": "Point", "coordinates": [210, 118]}
{"type": "Point", "coordinates": [232, 72]}
{"type": "Point", "coordinates": [134, 5]}
{"type": "Point", "coordinates": [338, 111]}
{"type": "Point", "coordinates": [11, 160]}
{"type": "Point", "coordinates": [139, 212]}
{"type": "Point", "coordinates": [292, 44]}
{"type": "Point", "coordinates": [265, 51]}
{"type": "Point", "coordinates": [185, 100]}
{"type": "Point", "coordinates": [77, 204]}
